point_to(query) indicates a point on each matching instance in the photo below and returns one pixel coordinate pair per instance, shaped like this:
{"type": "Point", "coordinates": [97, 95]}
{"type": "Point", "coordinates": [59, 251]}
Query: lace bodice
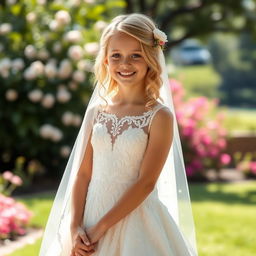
{"type": "Point", "coordinates": [119, 144]}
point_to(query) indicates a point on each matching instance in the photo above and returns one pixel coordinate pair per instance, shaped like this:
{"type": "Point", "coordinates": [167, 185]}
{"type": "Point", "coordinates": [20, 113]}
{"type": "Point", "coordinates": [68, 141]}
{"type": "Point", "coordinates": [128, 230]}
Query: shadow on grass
{"type": "Point", "coordinates": [218, 193]}
{"type": "Point", "coordinates": [33, 199]}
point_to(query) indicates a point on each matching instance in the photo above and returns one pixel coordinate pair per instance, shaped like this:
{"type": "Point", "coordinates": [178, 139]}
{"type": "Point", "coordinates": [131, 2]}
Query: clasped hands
{"type": "Point", "coordinates": [84, 242]}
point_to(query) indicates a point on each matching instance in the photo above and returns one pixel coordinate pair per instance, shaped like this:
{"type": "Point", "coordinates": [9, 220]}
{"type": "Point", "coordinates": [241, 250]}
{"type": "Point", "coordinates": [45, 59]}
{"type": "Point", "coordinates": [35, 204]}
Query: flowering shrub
{"type": "Point", "coordinates": [14, 217]}
{"type": "Point", "coordinates": [202, 135]}
{"type": "Point", "coordinates": [46, 56]}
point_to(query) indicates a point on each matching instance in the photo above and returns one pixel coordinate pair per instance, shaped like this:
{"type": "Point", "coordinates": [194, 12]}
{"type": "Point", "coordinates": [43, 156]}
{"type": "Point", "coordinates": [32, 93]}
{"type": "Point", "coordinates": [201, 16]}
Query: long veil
{"type": "Point", "coordinates": [172, 184]}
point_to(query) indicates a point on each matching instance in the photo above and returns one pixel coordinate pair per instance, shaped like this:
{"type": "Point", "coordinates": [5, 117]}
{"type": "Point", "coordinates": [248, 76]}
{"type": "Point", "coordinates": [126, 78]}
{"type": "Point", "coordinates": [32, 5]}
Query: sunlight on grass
{"type": "Point", "coordinates": [224, 217]}
{"type": "Point", "coordinates": [199, 80]}
{"type": "Point", "coordinates": [239, 120]}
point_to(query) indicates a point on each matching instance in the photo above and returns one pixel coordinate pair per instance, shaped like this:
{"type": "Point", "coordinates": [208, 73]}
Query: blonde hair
{"type": "Point", "coordinates": [141, 28]}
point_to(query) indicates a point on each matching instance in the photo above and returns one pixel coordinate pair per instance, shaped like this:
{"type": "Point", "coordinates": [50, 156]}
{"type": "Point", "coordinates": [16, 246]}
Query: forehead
{"type": "Point", "coordinates": [122, 41]}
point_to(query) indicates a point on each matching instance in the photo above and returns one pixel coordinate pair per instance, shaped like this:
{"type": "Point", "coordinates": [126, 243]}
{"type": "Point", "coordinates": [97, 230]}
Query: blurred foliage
{"type": "Point", "coordinates": [234, 58]}
{"type": "Point", "coordinates": [182, 19]}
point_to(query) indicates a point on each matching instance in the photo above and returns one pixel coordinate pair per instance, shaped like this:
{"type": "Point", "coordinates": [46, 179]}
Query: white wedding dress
{"type": "Point", "coordinates": [149, 230]}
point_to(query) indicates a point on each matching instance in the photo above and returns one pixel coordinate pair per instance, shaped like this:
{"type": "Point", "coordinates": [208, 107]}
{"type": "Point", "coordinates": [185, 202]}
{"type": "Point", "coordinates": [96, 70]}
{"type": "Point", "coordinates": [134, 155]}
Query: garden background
{"type": "Point", "coordinates": [47, 51]}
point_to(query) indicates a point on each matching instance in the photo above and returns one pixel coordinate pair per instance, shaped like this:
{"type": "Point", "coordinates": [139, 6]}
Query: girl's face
{"type": "Point", "coordinates": [125, 60]}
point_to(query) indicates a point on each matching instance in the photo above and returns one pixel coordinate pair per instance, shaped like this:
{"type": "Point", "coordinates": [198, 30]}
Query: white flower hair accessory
{"type": "Point", "coordinates": [160, 38]}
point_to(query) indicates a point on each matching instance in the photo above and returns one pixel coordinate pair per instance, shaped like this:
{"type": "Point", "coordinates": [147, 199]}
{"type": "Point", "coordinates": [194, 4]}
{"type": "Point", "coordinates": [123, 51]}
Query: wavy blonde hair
{"type": "Point", "coordinates": [141, 28]}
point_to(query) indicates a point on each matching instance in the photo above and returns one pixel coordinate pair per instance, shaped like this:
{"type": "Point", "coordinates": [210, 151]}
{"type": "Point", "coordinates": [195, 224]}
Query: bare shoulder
{"type": "Point", "coordinates": [163, 117]}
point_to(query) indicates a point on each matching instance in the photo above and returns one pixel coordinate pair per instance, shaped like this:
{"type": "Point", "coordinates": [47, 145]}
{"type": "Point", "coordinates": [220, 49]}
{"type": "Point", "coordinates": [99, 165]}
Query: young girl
{"type": "Point", "coordinates": [110, 201]}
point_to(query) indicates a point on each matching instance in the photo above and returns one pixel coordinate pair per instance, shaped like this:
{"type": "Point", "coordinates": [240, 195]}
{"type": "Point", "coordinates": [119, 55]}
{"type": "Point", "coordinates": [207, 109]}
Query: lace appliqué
{"type": "Point", "coordinates": [116, 126]}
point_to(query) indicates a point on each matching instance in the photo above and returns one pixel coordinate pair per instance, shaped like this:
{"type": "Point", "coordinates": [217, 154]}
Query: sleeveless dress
{"type": "Point", "coordinates": [118, 145]}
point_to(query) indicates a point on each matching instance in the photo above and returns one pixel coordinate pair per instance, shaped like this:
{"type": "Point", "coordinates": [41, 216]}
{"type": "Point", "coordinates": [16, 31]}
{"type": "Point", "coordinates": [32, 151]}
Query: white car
{"type": "Point", "coordinates": [190, 53]}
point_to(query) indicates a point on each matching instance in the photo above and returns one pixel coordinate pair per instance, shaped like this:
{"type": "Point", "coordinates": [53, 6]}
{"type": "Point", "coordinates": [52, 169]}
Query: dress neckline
{"type": "Point", "coordinates": [145, 113]}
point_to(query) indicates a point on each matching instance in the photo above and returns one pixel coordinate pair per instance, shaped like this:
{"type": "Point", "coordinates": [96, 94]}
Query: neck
{"type": "Point", "coordinates": [128, 96]}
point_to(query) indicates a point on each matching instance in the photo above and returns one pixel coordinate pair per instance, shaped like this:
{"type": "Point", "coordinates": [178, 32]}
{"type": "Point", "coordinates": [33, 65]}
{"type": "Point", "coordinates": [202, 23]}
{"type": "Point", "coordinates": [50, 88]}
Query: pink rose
{"type": "Point", "coordinates": [225, 159]}
{"type": "Point", "coordinates": [7, 175]}
{"type": "Point", "coordinates": [190, 170]}
{"type": "Point", "coordinates": [253, 167]}
{"type": "Point", "coordinates": [16, 180]}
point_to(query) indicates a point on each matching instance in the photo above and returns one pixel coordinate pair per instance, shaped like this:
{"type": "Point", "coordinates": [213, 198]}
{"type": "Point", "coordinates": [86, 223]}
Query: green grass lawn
{"type": "Point", "coordinates": [198, 80]}
{"type": "Point", "coordinates": [224, 216]}
{"type": "Point", "coordinates": [240, 120]}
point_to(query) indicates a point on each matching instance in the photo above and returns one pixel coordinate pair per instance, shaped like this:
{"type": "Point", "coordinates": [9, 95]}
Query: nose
{"type": "Point", "coordinates": [125, 61]}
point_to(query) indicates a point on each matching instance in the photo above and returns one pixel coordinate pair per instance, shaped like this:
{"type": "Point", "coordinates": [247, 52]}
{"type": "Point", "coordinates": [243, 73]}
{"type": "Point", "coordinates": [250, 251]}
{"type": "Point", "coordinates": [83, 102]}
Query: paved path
{"type": "Point", "coordinates": [12, 246]}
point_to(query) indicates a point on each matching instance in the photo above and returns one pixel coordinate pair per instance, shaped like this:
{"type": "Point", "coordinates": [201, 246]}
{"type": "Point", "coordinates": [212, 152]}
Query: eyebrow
{"type": "Point", "coordinates": [114, 50]}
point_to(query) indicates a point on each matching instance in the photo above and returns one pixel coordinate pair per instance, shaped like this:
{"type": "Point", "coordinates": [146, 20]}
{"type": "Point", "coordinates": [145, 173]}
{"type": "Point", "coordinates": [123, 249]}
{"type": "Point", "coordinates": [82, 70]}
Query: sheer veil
{"type": "Point", "coordinates": [172, 184]}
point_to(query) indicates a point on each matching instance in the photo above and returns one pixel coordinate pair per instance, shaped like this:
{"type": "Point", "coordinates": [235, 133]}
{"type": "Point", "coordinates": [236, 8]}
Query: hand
{"type": "Point", "coordinates": [81, 243]}
{"type": "Point", "coordinates": [95, 233]}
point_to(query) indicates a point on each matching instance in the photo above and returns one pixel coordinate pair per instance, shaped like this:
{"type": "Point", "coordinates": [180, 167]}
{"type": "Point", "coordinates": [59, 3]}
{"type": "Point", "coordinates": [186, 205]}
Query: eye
{"type": "Point", "coordinates": [115, 55]}
{"type": "Point", "coordinates": [134, 56]}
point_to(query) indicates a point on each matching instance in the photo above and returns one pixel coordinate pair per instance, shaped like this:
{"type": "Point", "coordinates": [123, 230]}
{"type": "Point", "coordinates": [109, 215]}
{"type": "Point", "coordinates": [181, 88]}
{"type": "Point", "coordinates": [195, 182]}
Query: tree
{"type": "Point", "coordinates": [182, 19]}
{"type": "Point", "coordinates": [234, 58]}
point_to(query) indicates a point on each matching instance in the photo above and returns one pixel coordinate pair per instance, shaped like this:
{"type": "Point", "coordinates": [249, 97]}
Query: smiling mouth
{"type": "Point", "coordinates": [126, 74]}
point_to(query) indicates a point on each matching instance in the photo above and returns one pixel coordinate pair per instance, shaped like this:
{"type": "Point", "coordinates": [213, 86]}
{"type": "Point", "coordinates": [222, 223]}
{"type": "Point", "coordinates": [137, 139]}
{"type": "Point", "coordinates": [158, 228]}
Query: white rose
{"type": "Point", "coordinates": [77, 120]}
{"type": "Point", "coordinates": [5, 28]}
{"type": "Point", "coordinates": [30, 51]}
{"type": "Point", "coordinates": [56, 134]}
{"type": "Point", "coordinates": [65, 69]}
{"type": "Point", "coordinates": [18, 64]}
{"type": "Point", "coordinates": [35, 95]}
{"type": "Point", "coordinates": [85, 65]}
{"type": "Point", "coordinates": [67, 118]}
{"type": "Point", "coordinates": [158, 34]}
{"type": "Point", "coordinates": [75, 3]}
{"type": "Point", "coordinates": [75, 52]}
{"type": "Point", "coordinates": [62, 17]}
{"type": "Point", "coordinates": [63, 95]}
{"type": "Point", "coordinates": [45, 131]}
{"type": "Point", "coordinates": [5, 64]}
{"type": "Point", "coordinates": [38, 67]}
{"type": "Point", "coordinates": [31, 17]}
{"type": "Point", "coordinates": [91, 48]}
{"type": "Point", "coordinates": [54, 25]}
{"type": "Point", "coordinates": [48, 131]}
{"type": "Point", "coordinates": [4, 73]}
{"type": "Point", "coordinates": [11, 95]}
{"type": "Point", "coordinates": [65, 151]}
{"type": "Point", "coordinates": [41, 2]}
{"type": "Point", "coordinates": [79, 76]}
{"type": "Point", "coordinates": [73, 36]}
{"type": "Point", "coordinates": [11, 2]}
{"type": "Point", "coordinates": [100, 25]}
{"type": "Point", "coordinates": [29, 74]}
{"type": "Point", "coordinates": [50, 70]}
{"type": "Point", "coordinates": [48, 100]}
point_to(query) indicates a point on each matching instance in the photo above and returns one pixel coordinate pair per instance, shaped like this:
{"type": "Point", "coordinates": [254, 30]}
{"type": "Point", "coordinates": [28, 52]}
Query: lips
{"type": "Point", "coordinates": [126, 74]}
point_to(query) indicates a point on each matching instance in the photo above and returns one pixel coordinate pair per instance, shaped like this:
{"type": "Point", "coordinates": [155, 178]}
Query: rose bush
{"type": "Point", "coordinates": [46, 56]}
{"type": "Point", "coordinates": [14, 218]}
{"type": "Point", "coordinates": [203, 137]}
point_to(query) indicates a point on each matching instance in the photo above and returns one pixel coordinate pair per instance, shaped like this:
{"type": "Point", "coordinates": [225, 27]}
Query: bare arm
{"type": "Point", "coordinates": [80, 187]}
{"type": "Point", "coordinates": [160, 140]}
